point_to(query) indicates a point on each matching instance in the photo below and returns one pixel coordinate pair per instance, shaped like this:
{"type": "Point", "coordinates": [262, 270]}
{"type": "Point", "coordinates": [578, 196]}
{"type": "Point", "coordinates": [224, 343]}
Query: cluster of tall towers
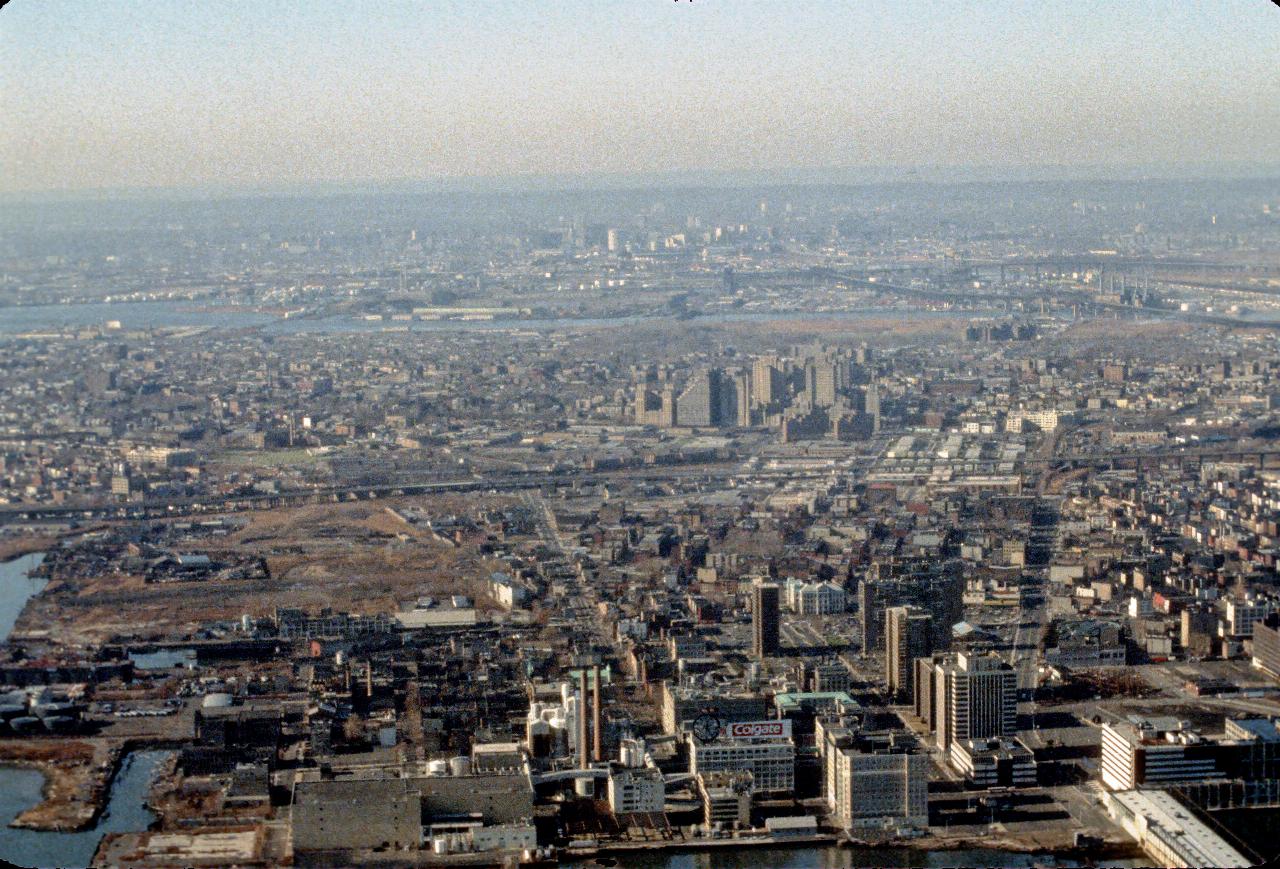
{"type": "Point", "coordinates": [837, 384]}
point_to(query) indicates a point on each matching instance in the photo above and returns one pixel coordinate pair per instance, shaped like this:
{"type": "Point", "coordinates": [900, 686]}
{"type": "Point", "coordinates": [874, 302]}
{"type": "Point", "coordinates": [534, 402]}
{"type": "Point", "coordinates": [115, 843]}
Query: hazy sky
{"type": "Point", "coordinates": [121, 93]}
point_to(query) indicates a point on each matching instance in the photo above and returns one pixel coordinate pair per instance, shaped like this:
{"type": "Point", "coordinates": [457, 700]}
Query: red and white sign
{"type": "Point", "coordinates": [759, 730]}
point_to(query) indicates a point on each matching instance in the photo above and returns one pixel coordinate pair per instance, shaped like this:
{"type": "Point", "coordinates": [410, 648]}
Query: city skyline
{"type": "Point", "coordinates": [716, 432]}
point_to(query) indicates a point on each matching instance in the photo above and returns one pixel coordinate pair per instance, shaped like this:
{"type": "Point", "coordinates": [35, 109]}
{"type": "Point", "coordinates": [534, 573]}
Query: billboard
{"type": "Point", "coordinates": [758, 730]}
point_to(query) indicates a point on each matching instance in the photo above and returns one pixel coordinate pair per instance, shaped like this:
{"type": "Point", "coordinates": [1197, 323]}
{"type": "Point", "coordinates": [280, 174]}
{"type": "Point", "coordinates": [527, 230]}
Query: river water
{"type": "Point", "coordinates": [163, 659]}
{"type": "Point", "coordinates": [20, 788]}
{"type": "Point", "coordinates": [16, 588]}
{"type": "Point", "coordinates": [126, 812]}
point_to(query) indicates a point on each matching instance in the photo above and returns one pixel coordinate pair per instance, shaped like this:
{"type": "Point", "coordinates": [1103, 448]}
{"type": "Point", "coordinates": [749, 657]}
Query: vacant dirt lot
{"type": "Point", "coordinates": [358, 556]}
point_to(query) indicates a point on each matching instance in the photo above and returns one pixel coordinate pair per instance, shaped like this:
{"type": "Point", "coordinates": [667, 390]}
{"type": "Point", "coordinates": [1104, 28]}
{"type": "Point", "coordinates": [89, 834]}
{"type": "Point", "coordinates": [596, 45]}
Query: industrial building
{"type": "Point", "coordinates": [636, 791]}
{"type": "Point", "coordinates": [726, 798]}
{"type": "Point", "coordinates": [873, 778]}
{"type": "Point", "coordinates": [1163, 750]}
{"type": "Point", "coordinates": [1169, 832]}
{"type": "Point", "coordinates": [994, 762]}
{"type": "Point", "coordinates": [763, 748]}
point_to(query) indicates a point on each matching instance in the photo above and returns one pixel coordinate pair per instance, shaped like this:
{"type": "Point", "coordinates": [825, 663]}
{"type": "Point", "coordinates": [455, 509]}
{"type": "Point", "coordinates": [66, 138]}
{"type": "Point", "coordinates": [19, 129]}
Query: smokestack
{"type": "Point", "coordinates": [597, 752]}
{"type": "Point", "coordinates": [582, 718]}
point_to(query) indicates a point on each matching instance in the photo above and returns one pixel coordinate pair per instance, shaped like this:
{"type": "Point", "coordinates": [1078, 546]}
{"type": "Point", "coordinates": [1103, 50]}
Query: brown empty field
{"type": "Point", "coordinates": [14, 547]}
{"type": "Point", "coordinates": [1121, 328]}
{"type": "Point", "coordinates": [357, 557]}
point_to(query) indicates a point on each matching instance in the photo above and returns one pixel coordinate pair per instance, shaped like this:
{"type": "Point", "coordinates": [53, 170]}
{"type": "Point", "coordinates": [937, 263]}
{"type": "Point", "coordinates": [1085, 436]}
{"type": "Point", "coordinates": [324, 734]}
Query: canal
{"type": "Point", "coordinates": [20, 789]}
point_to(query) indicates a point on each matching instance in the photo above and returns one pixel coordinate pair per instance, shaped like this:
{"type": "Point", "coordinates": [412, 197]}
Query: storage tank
{"type": "Point", "coordinates": [437, 768]}
{"type": "Point", "coordinates": [460, 766]}
{"type": "Point", "coordinates": [584, 787]}
{"type": "Point", "coordinates": [217, 700]}
{"type": "Point", "coordinates": [49, 710]}
{"type": "Point", "coordinates": [632, 753]}
{"type": "Point", "coordinates": [440, 846]}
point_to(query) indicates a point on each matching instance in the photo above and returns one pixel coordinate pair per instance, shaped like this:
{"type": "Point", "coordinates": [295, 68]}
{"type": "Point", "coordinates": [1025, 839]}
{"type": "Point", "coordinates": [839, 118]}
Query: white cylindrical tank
{"type": "Point", "coordinates": [460, 766]}
{"type": "Point", "coordinates": [217, 700]}
{"type": "Point", "coordinates": [584, 787]}
{"type": "Point", "coordinates": [437, 768]}
{"type": "Point", "coordinates": [440, 845]}
{"type": "Point", "coordinates": [631, 753]}
{"type": "Point", "coordinates": [339, 658]}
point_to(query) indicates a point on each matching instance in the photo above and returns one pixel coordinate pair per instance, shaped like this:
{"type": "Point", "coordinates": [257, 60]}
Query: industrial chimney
{"type": "Point", "coordinates": [597, 750]}
{"type": "Point", "coordinates": [582, 718]}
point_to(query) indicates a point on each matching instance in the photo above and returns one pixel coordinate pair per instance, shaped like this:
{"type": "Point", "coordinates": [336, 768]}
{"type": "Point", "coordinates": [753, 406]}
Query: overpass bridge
{"type": "Point", "coordinates": [1265, 456]}
{"type": "Point", "coordinates": [157, 508]}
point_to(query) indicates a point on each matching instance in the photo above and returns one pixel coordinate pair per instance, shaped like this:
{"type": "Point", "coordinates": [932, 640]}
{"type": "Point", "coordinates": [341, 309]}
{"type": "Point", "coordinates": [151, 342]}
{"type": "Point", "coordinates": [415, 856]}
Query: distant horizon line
{"type": "Point", "coordinates": [589, 182]}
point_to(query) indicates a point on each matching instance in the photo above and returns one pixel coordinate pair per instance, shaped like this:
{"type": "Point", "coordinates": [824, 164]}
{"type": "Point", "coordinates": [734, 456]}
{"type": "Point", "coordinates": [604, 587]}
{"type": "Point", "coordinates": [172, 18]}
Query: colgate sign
{"type": "Point", "coordinates": [759, 730]}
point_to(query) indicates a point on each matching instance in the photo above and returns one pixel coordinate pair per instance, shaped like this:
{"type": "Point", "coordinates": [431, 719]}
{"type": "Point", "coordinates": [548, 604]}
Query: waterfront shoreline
{"type": "Point", "coordinates": [77, 812]}
{"type": "Point", "coordinates": [16, 547]}
{"type": "Point", "coordinates": [75, 790]}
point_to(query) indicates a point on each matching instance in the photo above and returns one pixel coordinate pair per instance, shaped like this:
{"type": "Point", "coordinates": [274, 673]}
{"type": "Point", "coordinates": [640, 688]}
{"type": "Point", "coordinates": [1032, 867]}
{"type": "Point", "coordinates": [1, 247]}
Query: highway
{"type": "Point", "coordinates": [1070, 297]}
{"type": "Point", "coordinates": [1024, 656]}
{"type": "Point", "coordinates": [512, 482]}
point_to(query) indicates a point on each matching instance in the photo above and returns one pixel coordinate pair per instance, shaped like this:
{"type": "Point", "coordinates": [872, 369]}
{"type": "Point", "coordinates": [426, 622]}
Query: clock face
{"type": "Point", "coordinates": [706, 728]}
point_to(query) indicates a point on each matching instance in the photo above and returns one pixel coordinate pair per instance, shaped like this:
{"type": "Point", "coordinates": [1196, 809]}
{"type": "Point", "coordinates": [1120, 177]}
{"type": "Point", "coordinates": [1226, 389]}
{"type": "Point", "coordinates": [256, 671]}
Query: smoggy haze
{"type": "Point", "coordinates": [108, 95]}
